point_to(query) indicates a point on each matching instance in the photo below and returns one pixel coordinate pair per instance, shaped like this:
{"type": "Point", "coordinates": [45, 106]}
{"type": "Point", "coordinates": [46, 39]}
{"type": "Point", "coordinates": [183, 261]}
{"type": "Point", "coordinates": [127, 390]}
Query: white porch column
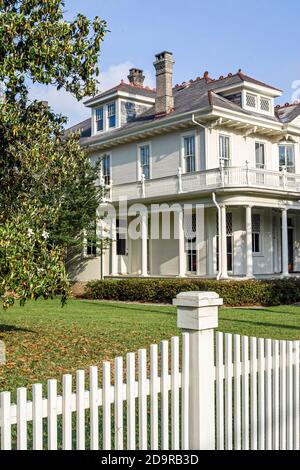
{"type": "Point", "coordinates": [223, 244]}
{"type": "Point", "coordinates": [249, 257]}
{"type": "Point", "coordinates": [284, 241]}
{"type": "Point", "coordinates": [144, 250]}
{"type": "Point", "coordinates": [114, 258]}
{"type": "Point", "coordinates": [181, 245]}
{"type": "Point", "coordinates": [197, 315]}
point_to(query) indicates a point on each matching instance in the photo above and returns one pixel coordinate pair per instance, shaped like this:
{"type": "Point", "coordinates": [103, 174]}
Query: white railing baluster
{"type": "Point", "coordinates": [253, 393]}
{"type": "Point", "coordinates": [5, 421]}
{"type": "Point", "coordinates": [21, 418]}
{"type": "Point", "coordinates": [142, 371]}
{"type": "Point", "coordinates": [52, 414]}
{"type": "Point", "coordinates": [94, 409]}
{"type": "Point", "coordinates": [154, 396]}
{"type": "Point", "coordinates": [275, 390]}
{"type": "Point", "coordinates": [268, 405]}
{"type": "Point", "coordinates": [289, 396]}
{"type": "Point", "coordinates": [185, 381]}
{"type": "Point", "coordinates": [80, 410]}
{"type": "Point", "coordinates": [67, 412]}
{"type": "Point", "coordinates": [296, 402]}
{"type": "Point", "coordinates": [175, 393]}
{"type": "Point", "coordinates": [220, 390]}
{"type": "Point", "coordinates": [118, 406]}
{"type": "Point", "coordinates": [164, 394]}
{"type": "Point", "coordinates": [37, 417]}
{"type": "Point", "coordinates": [237, 392]}
{"type": "Point", "coordinates": [130, 397]}
{"type": "Point", "coordinates": [245, 393]}
{"type": "Point", "coordinates": [106, 386]}
{"type": "Point", "coordinates": [282, 394]}
{"type": "Point", "coordinates": [228, 391]}
{"type": "Point", "coordinates": [261, 393]}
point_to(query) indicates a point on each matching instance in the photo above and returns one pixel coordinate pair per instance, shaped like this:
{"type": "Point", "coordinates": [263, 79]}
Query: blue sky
{"type": "Point", "coordinates": [260, 37]}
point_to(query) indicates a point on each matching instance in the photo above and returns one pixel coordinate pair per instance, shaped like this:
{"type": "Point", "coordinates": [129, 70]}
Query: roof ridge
{"type": "Point", "coordinates": [287, 105]}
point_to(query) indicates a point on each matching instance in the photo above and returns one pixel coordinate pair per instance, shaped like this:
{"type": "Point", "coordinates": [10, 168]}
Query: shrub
{"type": "Point", "coordinates": [234, 293]}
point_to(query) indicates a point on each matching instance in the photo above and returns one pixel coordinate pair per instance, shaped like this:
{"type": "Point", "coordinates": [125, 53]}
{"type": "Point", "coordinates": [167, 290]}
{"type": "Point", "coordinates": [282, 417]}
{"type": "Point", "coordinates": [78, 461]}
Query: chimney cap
{"type": "Point", "coordinates": [136, 77]}
{"type": "Point", "coordinates": [162, 55]}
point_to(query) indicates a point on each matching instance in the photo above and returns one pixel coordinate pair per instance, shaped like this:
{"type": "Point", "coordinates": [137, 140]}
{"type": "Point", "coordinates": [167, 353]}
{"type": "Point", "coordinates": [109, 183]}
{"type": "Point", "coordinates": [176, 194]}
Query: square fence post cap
{"type": "Point", "coordinates": [197, 299]}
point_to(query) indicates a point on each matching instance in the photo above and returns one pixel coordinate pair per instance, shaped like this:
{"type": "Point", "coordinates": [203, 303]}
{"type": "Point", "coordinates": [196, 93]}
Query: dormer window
{"type": "Point", "coordinates": [111, 115]}
{"type": "Point", "coordinates": [258, 103]}
{"type": "Point", "coordinates": [265, 104]}
{"type": "Point", "coordinates": [99, 119]}
{"type": "Point", "coordinates": [251, 100]}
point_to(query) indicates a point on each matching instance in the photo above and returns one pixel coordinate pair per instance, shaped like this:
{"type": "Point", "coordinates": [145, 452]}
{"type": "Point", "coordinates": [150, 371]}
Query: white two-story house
{"type": "Point", "coordinates": [221, 143]}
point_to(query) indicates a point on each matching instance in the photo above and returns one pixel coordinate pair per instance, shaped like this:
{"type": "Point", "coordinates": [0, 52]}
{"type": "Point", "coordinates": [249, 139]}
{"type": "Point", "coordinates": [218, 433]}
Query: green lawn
{"type": "Point", "coordinates": [44, 341]}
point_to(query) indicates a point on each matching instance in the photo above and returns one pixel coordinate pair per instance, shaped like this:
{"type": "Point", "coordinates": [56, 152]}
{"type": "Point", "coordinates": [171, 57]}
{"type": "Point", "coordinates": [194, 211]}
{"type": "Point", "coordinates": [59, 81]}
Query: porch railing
{"type": "Point", "coordinates": [202, 181]}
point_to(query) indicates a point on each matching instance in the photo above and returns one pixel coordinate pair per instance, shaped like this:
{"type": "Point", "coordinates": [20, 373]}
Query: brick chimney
{"type": "Point", "coordinates": [164, 101]}
{"type": "Point", "coordinates": [136, 77]}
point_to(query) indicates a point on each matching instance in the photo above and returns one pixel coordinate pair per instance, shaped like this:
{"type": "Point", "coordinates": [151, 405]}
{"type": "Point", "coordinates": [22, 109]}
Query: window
{"type": "Point", "coordinates": [265, 104]}
{"type": "Point", "coordinates": [91, 242]}
{"type": "Point", "coordinates": [251, 100]}
{"type": "Point", "coordinates": [287, 158]}
{"type": "Point", "coordinates": [190, 234]}
{"type": "Point", "coordinates": [111, 115]}
{"type": "Point", "coordinates": [145, 161]}
{"type": "Point", "coordinates": [189, 154]}
{"type": "Point", "coordinates": [260, 155]}
{"type": "Point", "coordinates": [121, 240]}
{"type": "Point", "coordinates": [256, 233]}
{"type": "Point", "coordinates": [229, 241]}
{"type": "Point", "coordinates": [99, 119]}
{"type": "Point", "coordinates": [106, 169]}
{"type": "Point", "coordinates": [224, 148]}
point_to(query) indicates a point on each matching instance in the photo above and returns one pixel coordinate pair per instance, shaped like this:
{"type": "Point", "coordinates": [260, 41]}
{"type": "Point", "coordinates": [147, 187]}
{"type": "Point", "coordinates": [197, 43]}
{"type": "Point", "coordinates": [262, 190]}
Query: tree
{"type": "Point", "coordinates": [44, 175]}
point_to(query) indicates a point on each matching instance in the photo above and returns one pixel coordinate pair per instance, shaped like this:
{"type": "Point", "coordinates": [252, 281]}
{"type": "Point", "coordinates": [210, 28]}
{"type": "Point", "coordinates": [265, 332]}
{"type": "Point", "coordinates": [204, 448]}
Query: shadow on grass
{"type": "Point", "coordinates": [134, 307]}
{"type": "Point", "coordinates": [9, 328]}
{"type": "Point", "coordinates": [258, 323]}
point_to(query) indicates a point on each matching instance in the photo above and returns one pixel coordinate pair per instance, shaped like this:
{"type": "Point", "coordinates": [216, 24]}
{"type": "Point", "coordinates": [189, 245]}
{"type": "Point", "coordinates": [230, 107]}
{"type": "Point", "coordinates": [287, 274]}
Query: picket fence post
{"type": "Point", "coordinates": [197, 314]}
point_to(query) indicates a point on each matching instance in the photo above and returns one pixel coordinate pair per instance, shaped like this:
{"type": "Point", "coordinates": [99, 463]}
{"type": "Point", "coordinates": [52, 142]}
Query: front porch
{"type": "Point", "coordinates": [254, 240]}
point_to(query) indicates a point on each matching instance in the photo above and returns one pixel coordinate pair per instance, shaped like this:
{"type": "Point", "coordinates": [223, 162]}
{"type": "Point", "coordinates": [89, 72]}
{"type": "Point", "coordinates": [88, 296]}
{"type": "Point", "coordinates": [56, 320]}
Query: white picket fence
{"type": "Point", "coordinates": [151, 404]}
{"type": "Point", "coordinates": [149, 419]}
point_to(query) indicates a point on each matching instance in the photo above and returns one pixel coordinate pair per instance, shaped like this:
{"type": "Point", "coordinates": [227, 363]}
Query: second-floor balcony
{"type": "Point", "coordinates": [206, 181]}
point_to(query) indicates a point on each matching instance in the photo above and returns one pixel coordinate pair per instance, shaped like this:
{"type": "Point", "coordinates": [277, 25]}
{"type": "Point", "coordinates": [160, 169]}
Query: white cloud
{"type": "Point", "coordinates": [64, 103]}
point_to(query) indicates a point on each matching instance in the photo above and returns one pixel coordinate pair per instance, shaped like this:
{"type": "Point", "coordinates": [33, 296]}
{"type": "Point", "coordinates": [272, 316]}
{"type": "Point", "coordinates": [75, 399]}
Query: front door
{"type": "Point", "coordinates": [291, 249]}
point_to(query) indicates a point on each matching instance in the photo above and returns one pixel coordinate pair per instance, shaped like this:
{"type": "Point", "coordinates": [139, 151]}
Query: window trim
{"type": "Point", "coordinates": [287, 144]}
{"type": "Point", "coordinates": [264, 143]}
{"type": "Point", "coordinates": [139, 168]}
{"type": "Point", "coordinates": [223, 134]}
{"type": "Point", "coordinates": [103, 119]}
{"type": "Point", "coordinates": [182, 155]}
{"type": "Point", "coordinates": [110, 166]}
{"type": "Point", "coordinates": [259, 254]}
{"type": "Point", "coordinates": [108, 127]}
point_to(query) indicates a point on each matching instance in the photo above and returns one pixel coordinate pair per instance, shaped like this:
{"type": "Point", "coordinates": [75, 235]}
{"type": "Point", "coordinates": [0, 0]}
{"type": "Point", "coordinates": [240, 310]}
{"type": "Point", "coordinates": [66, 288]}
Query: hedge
{"type": "Point", "coordinates": [234, 293]}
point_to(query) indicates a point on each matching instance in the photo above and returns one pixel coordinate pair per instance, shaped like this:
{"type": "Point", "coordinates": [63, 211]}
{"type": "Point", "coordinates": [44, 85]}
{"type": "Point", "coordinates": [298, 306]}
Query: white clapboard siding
{"type": "Point", "coordinates": [257, 400]}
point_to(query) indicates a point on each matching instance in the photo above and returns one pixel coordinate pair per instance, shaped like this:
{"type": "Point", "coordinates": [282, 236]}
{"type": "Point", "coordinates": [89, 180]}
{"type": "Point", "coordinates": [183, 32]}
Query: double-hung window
{"type": "Point", "coordinates": [260, 161]}
{"type": "Point", "coordinates": [189, 154]}
{"type": "Point", "coordinates": [106, 169]}
{"type": "Point", "coordinates": [91, 242]}
{"type": "Point", "coordinates": [145, 161]}
{"type": "Point", "coordinates": [287, 158]}
{"type": "Point", "coordinates": [256, 233]}
{"type": "Point", "coordinates": [99, 119]}
{"type": "Point", "coordinates": [224, 146]}
{"type": "Point", "coordinates": [111, 115]}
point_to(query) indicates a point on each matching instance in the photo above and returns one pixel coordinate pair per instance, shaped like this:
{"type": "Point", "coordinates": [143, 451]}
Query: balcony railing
{"type": "Point", "coordinates": [203, 181]}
